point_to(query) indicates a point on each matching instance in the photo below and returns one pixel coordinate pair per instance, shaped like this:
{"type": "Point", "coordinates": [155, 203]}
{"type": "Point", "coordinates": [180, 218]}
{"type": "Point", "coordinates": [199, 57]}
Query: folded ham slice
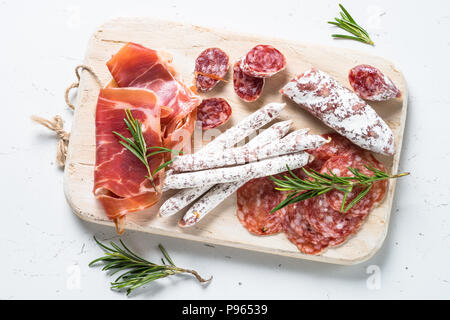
{"type": "Point", "coordinates": [136, 66]}
{"type": "Point", "coordinates": [120, 182]}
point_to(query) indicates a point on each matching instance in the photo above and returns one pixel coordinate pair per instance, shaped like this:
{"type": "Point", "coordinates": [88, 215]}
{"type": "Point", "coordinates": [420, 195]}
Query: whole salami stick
{"type": "Point", "coordinates": [220, 192]}
{"type": "Point", "coordinates": [245, 127]}
{"type": "Point", "coordinates": [227, 139]}
{"type": "Point", "coordinates": [294, 142]}
{"type": "Point", "coordinates": [252, 170]}
{"type": "Point", "coordinates": [341, 109]}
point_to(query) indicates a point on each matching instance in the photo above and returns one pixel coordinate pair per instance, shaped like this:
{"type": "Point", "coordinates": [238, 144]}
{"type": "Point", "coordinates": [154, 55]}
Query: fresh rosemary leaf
{"type": "Point", "coordinates": [162, 166]}
{"type": "Point", "coordinates": [358, 198]}
{"type": "Point", "coordinates": [319, 183]}
{"type": "Point", "coordinates": [349, 24]}
{"type": "Point", "coordinates": [138, 271]}
{"type": "Point", "coordinates": [166, 255]}
{"type": "Point", "coordinates": [346, 14]}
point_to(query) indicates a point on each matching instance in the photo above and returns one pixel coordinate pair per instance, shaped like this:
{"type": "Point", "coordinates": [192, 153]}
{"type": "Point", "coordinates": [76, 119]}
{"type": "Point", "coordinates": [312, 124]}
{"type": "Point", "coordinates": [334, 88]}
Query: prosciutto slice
{"type": "Point", "coordinates": [136, 66]}
{"type": "Point", "coordinates": [120, 182]}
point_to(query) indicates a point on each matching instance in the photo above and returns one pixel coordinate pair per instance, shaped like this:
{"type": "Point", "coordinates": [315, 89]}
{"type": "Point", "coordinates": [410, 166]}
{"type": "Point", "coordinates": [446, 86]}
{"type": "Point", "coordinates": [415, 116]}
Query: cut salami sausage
{"type": "Point", "coordinates": [371, 84]}
{"type": "Point", "coordinates": [332, 223]}
{"type": "Point", "coordinates": [248, 88]}
{"type": "Point", "coordinates": [299, 232]}
{"type": "Point", "coordinates": [210, 67]}
{"type": "Point", "coordinates": [220, 192]}
{"type": "Point", "coordinates": [300, 224]}
{"type": "Point", "coordinates": [255, 200]}
{"type": "Point", "coordinates": [294, 142]}
{"type": "Point", "coordinates": [337, 146]}
{"type": "Point", "coordinates": [240, 131]}
{"type": "Point", "coordinates": [263, 61]}
{"type": "Point", "coordinates": [339, 166]}
{"type": "Point", "coordinates": [341, 109]}
{"type": "Point", "coordinates": [213, 112]}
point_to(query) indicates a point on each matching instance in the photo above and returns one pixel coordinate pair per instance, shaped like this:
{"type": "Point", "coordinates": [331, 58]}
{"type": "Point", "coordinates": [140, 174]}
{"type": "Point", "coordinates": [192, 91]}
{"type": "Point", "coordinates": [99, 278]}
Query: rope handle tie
{"type": "Point", "coordinates": [56, 124]}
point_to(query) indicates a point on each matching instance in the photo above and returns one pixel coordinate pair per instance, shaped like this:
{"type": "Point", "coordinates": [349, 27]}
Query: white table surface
{"type": "Point", "coordinates": [45, 248]}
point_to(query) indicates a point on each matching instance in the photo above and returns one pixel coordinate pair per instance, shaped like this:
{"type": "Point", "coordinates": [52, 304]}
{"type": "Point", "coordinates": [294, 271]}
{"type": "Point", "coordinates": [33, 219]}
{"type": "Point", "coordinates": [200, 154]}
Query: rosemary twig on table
{"type": "Point", "coordinates": [348, 24]}
{"type": "Point", "coordinates": [137, 146]}
{"type": "Point", "coordinates": [138, 271]}
{"type": "Point", "coordinates": [320, 183]}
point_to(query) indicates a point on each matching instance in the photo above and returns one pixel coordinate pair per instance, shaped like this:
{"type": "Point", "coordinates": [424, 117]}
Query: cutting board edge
{"type": "Point", "coordinates": [321, 258]}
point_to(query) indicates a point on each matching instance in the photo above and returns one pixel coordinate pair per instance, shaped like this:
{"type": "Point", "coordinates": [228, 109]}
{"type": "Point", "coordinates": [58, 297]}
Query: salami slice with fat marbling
{"type": "Point", "coordinates": [332, 223]}
{"type": "Point", "coordinates": [299, 231]}
{"type": "Point", "coordinates": [371, 84]}
{"type": "Point", "coordinates": [247, 87]}
{"type": "Point", "coordinates": [263, 61]}
{"type": "Point", "coordinates": [211, 66]}
{"type": "Point", "coordinates": [213, 112]}
{"type": "Point", "coordinates": [339, 166]}
{"type": "Point", "coordinates": [338, 145]}
{"type": "Point", "coordinates": [255, 200]}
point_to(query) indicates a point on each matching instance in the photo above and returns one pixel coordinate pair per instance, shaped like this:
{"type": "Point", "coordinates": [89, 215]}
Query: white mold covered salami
{"type": "Point", "coordinates": [371, 84]}
{"type": "Point", "coordinates": [211, 66]}
{"type": "Point", "coordinates": [341, 109]}
{"type": "Point", "coordinates": [220, 192]}
{"type": "Point", "coordinates": [294, 142]}
{"type": "Point", "coordinates": [229, 138]}
{"type": "Point", "coordinates": [229, 174]}
{"type": "Point", "coordinates": [263, 61]}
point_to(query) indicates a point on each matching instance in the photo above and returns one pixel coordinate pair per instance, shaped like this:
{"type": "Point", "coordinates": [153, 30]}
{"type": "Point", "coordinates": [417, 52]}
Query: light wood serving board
{"type": "Point", "coordinates": [185, 42]}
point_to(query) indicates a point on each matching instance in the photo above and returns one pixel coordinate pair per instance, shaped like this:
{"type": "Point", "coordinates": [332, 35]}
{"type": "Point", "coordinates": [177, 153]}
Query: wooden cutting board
{"type": "Point", "coordinates": [185, 42]}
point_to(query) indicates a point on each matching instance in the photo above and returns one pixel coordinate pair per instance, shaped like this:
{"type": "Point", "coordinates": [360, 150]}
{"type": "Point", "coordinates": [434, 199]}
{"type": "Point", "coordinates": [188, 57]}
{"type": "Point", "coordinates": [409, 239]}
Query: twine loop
{"type": "Point", "coordinates": [77, 83]}
{"type": "Point", "coordinates": [56, 124]}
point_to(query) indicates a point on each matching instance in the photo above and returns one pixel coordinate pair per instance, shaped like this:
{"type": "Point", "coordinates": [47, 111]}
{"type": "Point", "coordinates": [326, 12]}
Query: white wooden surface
{"type": "Point", "coordinates": [48, 247]}
{"type": "Point", "coordinates": [185, 42]}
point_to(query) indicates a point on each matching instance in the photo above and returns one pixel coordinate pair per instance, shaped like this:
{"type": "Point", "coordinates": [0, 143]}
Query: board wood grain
{"type": "Point", "coordinates": [184, 42]}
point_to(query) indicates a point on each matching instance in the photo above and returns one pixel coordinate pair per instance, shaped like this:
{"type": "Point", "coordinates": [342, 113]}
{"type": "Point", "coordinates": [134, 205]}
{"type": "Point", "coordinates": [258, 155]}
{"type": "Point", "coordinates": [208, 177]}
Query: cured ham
{"type": "Point", "coordinates": [120, 182]}
{"type": "Point", "coordinates": [136, 66]}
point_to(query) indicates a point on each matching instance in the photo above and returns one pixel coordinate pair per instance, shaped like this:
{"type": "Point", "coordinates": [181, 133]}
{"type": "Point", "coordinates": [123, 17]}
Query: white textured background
{"type": "Point", "coordinates": [44, 247]}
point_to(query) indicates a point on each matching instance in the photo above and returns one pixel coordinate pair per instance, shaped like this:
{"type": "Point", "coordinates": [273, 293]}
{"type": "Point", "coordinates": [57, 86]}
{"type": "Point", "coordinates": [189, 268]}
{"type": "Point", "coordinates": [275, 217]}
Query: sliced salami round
{"type": "Point", "coordinates": [298, 213]}
{"type": "Point", "coordinates": [211, 66]}
{"type": "Point", "coordinates": [255, 200]}
{"type": "Point", "coordinates": [337, 146]}
{"type": "Point", "coordinates": [299, 232]}
{"type": "Point", "coordinates": [263, 61]}
{"type": "Point", "coordinates": [371, 84]}
{"type": "Point", "coordinates": [339, 166]}
{"type": "Point", "coordinates": [213, 112]}
{"type": "Point", "coordinates": [332, 223]}
{"type": "Point", "coordinates": [248, 88]}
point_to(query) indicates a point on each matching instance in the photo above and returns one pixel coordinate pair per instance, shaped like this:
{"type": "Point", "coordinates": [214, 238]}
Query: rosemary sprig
{"type": "Point", "coordinates": [320, 183]}
{"type": "Point", "coordinates": [138, 271]}
{"type": "Point", "coordinates": [137, 146]}
{"type": "Point", "coordinates": [348, 24]}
